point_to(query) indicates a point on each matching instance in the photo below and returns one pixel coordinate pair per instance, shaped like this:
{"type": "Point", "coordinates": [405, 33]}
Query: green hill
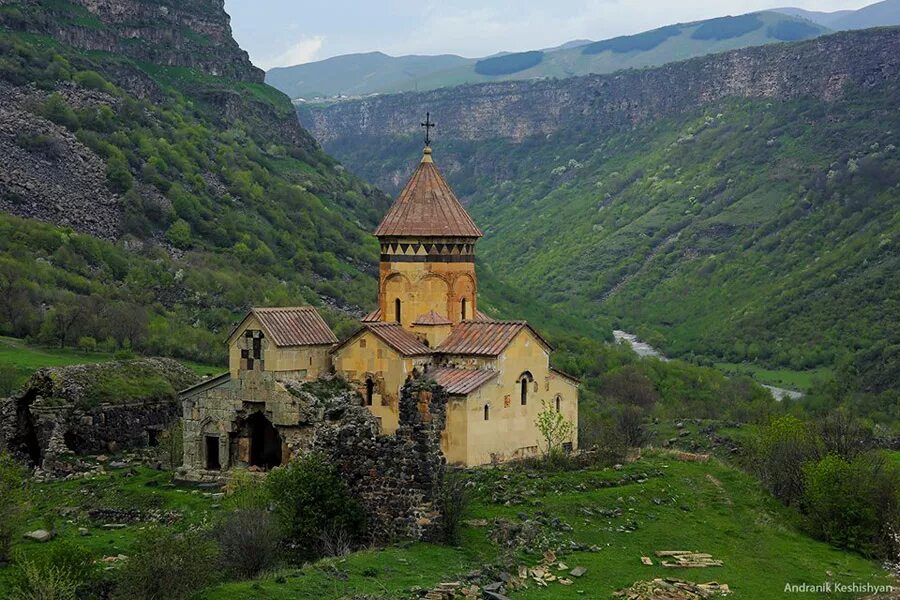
{"type": "Point", "coordinates": [145, 205]}
{"type": "Point", "coordinates": [754, 229]}
{"type": "Point", "coordinates": [362, 74]}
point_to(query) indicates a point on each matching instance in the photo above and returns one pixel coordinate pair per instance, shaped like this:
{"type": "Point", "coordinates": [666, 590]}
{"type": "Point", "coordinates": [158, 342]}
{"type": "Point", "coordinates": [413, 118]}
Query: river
{"type": "Point", "coordinates": [645, 349]}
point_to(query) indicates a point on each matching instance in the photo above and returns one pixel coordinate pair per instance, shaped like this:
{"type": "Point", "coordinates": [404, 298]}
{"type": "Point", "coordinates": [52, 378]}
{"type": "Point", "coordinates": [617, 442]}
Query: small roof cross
{"type": "Point", "coordinates": [428, 125]}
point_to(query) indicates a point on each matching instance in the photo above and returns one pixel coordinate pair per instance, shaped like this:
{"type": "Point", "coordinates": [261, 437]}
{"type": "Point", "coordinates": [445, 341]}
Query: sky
{"type": "Point", "coordinates": [290, 32]}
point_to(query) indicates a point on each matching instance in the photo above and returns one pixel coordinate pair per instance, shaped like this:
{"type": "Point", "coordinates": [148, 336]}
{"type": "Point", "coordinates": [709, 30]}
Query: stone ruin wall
{"type": "Point", "coordinates": [394, 477]}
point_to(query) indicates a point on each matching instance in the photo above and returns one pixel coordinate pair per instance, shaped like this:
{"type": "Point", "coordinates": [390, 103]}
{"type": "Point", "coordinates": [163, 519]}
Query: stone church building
{"type": "Point", "coordinates": [427, 325]}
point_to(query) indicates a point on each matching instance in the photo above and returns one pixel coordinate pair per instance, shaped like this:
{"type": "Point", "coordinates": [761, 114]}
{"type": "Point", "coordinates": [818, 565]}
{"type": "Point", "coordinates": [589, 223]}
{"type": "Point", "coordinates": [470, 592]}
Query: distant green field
{"type": "Point", "coordinates": [18, 360]}
{"type": "Point", "coordinates": [784, 378]}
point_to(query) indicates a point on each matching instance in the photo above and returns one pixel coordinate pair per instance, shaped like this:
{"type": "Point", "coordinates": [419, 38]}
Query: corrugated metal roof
{"type": "Point", "coordinates": [427, 207]}
{"type": "Point", "coordinates": [460, 381]}
{"type": "Point", "coordinates": [294, 326]}
{"type": "Point", "coordinates": [485, 338]}
{"type": "Point", "coordinates": [373, 317]}
{"type": "Point", "coordinates": [432, 318]}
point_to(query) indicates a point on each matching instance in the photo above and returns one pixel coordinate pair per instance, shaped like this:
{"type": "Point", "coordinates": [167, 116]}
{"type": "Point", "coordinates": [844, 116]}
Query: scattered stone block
{"type": "Point", "coordinates": [647, 561]}
{"type": "Point", "coordinates": [39, 535]}
{"type": "Point", "coordinates": [578, 571]}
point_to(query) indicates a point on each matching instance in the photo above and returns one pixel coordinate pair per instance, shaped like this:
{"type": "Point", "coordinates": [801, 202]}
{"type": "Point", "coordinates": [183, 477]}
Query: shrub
{"type": "Point", "coordinates": [167, 566]}
{"type": "Point", "coordinates": [87, 344]}
{"type": "Point", "coordinates": [179, 234]}
{"type": "Point", "coordinates": [310, 498]}
{"type": "Point", "coordinates": [779, 453]}
{"type": "Point", "coordinates": [554, 428]}
{"type": "Point", "coordinates": [842, 434]}
{"type": "Point", "coordinates": [630, 426]}
{"type": "Point", "coordinates": [58, 110]}
{"type": "Point", "coordinates": [12, 498]}
{"type": "Point", "coordinates": [59, 574]}
{"type": "Point", "coordinates": [248, 542]}
{"type": "Point", "coordinates": [245, 492]}
{"type": "Point", "coordinates": [452, 501]}
{"type": "Point", "coordinates": [854, 504]}
{"type": "Point", "coordinates": [171, 445]}
{"type": "Point", "coordinates": [34, 581]}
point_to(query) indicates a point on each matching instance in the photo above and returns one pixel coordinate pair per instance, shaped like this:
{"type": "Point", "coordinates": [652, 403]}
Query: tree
{"type": "Point", "coordinates": [779, 453]}
{"type": "Point", "coordinates": [310, 498]}
{"type": "Point", "coordinates": [554, 428]}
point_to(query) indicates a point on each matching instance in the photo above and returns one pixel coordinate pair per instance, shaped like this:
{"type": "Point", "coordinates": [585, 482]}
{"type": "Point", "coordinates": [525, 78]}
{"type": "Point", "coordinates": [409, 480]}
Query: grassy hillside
{"type": "Point", "coordinates": [657, 503]}
{"type": "Point", "coordinates": [361, 74]}
{"type": "Point", "coordinates": [752, 230]}
{"type": "Point", "coordinates": [222, 201]}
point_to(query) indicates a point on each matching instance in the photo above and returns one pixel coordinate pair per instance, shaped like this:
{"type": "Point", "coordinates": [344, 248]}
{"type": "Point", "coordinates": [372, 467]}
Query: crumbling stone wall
{"type": "Point", "coordinates": [59, 411]}
{"type": "Point", "coordinates": [396, 477]}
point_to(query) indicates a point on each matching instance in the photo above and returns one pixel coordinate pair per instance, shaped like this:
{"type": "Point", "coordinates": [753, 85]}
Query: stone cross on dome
{"type": "Point", "coordinates": [428, 125]}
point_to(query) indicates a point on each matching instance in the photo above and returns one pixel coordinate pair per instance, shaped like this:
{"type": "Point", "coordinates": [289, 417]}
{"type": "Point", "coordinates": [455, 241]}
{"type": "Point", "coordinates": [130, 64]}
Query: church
{"type": "Point", "coordinates": [427, 324]}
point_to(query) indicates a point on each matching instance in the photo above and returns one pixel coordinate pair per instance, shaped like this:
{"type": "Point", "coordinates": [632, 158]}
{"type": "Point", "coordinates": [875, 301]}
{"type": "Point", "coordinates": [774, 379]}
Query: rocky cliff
{"type": "Point", "coordinates": [821, 68]}
{"type": "Point", "coordinates": [187, 33]}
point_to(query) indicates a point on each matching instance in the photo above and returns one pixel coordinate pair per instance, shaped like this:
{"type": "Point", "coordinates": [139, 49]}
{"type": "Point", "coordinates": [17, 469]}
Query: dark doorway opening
{"type": "Point", "coordinates": [70, 441]}
{"type": "Point", "coordinates": [370, 391]}
{"type": "Point", "coordinates": [265, 442]}
{"type": "Point", "coordinates": [212, 453]}
{"type": "Point", "coordinates": [153, 438]}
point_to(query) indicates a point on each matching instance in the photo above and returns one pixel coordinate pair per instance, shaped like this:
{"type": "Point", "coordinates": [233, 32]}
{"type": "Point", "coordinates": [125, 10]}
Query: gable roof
{"type": "Point", "coordinates": [459, 382]}
{"type": "Point", "coordinates": [432, 318]}
{"type": "Point", "coordinates": [485, 338]}
{"type": "Point", "coordinates": [292, 326]}
{"type": "Point", "coordinates": [392, 334]}
{"type": "Point", "coordinates": [427, 207]}
{"type": "Point", "coordinates": [373, 317]}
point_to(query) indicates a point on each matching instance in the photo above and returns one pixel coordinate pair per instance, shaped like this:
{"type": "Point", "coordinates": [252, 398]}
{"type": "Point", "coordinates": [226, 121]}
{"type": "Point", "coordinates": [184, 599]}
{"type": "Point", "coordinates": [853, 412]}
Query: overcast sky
{"type": "Point", "coordinates": [289, 32]}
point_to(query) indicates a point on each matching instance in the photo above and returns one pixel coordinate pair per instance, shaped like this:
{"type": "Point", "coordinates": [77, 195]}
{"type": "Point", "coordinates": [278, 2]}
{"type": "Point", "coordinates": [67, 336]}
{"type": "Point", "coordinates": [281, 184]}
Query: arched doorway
{"type": "Point", "coordinates": [265, 442]}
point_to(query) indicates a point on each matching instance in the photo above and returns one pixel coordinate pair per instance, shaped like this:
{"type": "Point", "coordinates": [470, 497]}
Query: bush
{"type": "Point", "coordinates": [310, 499]}
{"type": "Point", "coordinates": [87, 344]}
{"type": "Point", "coordinates": [630, 426]}
{"type": "Point", "coordinates": [248, 542]}
{"type": "Point", "coordinates": [167, 566]}
{"type": "Point", "coordinates": [853, 504]}
{"type": "Point", "coordinates": [778, 455]}
{"type": "Point", "coordinates": [12, 498]}
{"type": "Point", "coordinates": [452, 501]}
{"type": "Point", "coordinates": [59, 574]}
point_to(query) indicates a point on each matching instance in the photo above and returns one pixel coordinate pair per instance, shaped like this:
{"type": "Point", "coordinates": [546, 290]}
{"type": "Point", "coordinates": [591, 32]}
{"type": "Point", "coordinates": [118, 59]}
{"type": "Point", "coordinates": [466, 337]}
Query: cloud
{"type": "Point", "coordinates": [305, 50]}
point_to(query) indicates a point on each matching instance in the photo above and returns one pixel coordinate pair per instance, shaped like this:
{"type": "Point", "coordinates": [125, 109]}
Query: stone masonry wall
{"type": "Point", "coordinates": [393, 476]}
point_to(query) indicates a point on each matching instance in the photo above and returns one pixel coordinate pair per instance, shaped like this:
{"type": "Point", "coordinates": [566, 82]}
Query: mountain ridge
{"type": "Point", "coordinates": [354, 75]}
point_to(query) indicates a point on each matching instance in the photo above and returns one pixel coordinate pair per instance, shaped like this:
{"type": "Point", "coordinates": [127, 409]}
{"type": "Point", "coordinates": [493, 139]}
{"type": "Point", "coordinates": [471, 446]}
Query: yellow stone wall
{"type": "Point", "coordinates": [426, 286]}
{"type": "Point", "coordinates": [368, 356]}
{"type": "Point", "coordinates": [510, 432]}
{"type": "Point", "coordinates": [304, 362]}
{"type": "Point", "coordinates": [432, 335]}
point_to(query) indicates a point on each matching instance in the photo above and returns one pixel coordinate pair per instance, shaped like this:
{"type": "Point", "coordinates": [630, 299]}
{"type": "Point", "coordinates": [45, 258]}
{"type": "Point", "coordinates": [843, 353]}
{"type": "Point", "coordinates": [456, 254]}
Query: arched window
{"type": "Point", "coordinates": [370, 390]}
{"type": "Point", "coordinates": [463, 309]}
{"type": "Point", "coordinates": [525, 379]}
{"type": "Point", "coordinates": [487, 412]}
{"type": "Point", "coordinates": [397, 310]}
{"type": "Point", "coordinates": [558, 404]}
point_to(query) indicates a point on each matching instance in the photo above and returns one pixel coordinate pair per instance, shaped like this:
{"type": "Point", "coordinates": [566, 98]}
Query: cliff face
{"type": "Point", "coordinates": [821, 68]}
{"type": "Point", "coordinates": [186, 33]}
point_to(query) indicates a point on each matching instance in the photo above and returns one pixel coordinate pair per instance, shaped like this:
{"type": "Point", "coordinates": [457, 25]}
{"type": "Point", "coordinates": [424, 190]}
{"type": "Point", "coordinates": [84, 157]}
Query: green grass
{"type": "Point", "coordinates": [18, 360]}
{"type": "Point", "coordinates": [784, 378]}
{"type": "Point", "coordinates": [665, 505]}
{"type": "Point", "coordinates": [705, 507]}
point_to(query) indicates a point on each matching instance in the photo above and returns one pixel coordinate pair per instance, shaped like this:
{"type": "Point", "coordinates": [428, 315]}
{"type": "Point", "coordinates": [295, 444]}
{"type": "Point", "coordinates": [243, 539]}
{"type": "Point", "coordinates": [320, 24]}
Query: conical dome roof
{"type": "Point", "coordinates": [427, 207]}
